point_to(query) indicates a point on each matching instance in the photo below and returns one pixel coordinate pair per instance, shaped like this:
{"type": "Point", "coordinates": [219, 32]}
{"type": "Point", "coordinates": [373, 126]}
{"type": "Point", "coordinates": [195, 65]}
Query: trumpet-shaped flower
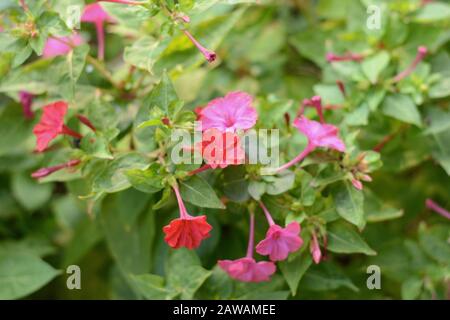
{"type": "Point", "coordinates": [230, 113]}
{"type": "Point", "coordinates": [51, 125]}
{"type": "Point", "coordinates": [186, 231]}
{"type": "Point", "coordinates": [220, 149]}
{"type": "Point", "coordinates": [94, 13]}
{"type": "Point", "coordinates": [320, 134]}
{"type": "Point", "coordinates": [61, 46]}
{"type": "Point", "coordinates": [279, 242]}
{"type": "Point", "coordinates": [247, 269]}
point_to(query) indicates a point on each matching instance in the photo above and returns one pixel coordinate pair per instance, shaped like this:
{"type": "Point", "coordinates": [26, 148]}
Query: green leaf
{"type": "Point", "coordinates": [69, 69]}
{"type": "Point", "coordinates": [374, 65]}
{"type": "Point", "coordinates": [128, 240]}
{"type": "Point", "coordinates": [185, 274]}
{"type": "Point", "coordinates": [22, 274]}
{"type": "Point", "coordinates": [326, 277]}
{"type": "Point", "coordinates": [96, 145]}
{"type": "Point", "coordinates": [14, 130]}
{"type": "Point", "coordinates": [198, 192]}
{"type": "Point", "coordinates": [144, 52]}
{"type": "Point", "coordinates": [433, 12]}
{"type": "Point", "coordinates": [30, 194]}
{"type": "Point", "coordinates": [349, 203]}
{"type": "Point", "coordinates": [256, 189]}
{"type": "Point", "coordinates": [235, 184]}
{"type": "Point", "coordinates": [411, 288]}
{"type": "Point", "coordinates": [403, 108]}
{"type": "Point", "coordinates": [151, 286]}
{"type": "Point", "coordinates": [280, 183]}
{"type": "Point", "coordinates": [162, 96]}
{"type": "Point", "coordinates": [435, 247]}
{"type": "Point", "coordinates": [376, 210]}
{"type": "Point", "coordinates": [294, 268]}
{"type": "Point", "coordinates": [441, 89]}
{"type": "Point", "coordinates": [344, 239]}
{"type": "Point", "coordinates": [149, 180]}
{"type": "Point", "coordinates": [113, 178]}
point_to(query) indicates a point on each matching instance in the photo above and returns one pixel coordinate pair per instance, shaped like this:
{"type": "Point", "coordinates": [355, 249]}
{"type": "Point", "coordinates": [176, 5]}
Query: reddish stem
{"type": "Point", "coordinates": [200, 169]}
{"type": "Point", "coordinates": [436, 208]}
{"type": "Point", "coordinates": [309, 148]}
{"type": "Point", "coordinates": [100, 39]}
{"type": "Point", "coordinates": [251, 236]}
{"type": "Point", "coordinates": [183, 212]}
{"type": "Point", "coordinates": [267, 213]}
{"type": "Point", "coordinates": [421, 53]}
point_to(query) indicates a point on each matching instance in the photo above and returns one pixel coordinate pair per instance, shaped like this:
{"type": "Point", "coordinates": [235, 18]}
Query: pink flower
{"type": "Point", "coordinates": [230, 113]}
{"type": "Point", "coordinates": [186, 231]}
{"type": "Point", "coordinates": [52, 124]}
{"type": "Point", "coordinates": [247, 269]}
{"type": "Point", "coordinates": [220, 149]}
{"type": "Point", "coordinates": [279, 242]}
{"type": "Point", "coordinates": [26, 100]}
{"type": "Point", "coordinates": [320, 135]}
{"type": "Point", "coordinates": [95, 14]}
{"type": "Point", "coordinates": [61, 46]}
{"type": "Point", "coordinates": [43, 172]}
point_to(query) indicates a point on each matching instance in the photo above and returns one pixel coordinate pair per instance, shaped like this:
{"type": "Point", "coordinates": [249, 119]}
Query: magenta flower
{"type": "Point", "coordinates": [421, 53]}
{"type": "Point", "coordinates": [436, 208]}
{"type": "Point", "coordinates": [247, 269]}
{"type": "Point", "coordinates": [230, 113]}
{"type": "Point", "coordinates": [43, 172]}
{"type": "Point", "coordinates": [61, 46]}
{"type": "Point", "coordinates": [279, 242]}
{"type": "Point", "coordinates": [94, 13]}
{"type": "Point", "coordinates": [26, 100]}
{"type": "Point", "coordinates": [318, 135]}
{"type": "Point", "coordinates": [208, 54]}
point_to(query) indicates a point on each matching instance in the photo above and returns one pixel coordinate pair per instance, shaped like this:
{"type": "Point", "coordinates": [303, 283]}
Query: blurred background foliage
{"type": "Point", "coordinates": [275, 50]}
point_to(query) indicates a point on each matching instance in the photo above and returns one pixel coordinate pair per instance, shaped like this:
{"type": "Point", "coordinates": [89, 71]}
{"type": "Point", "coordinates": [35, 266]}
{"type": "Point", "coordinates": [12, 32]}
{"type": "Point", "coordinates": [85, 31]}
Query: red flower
{"type": "Point", "coordinates": [221, 149]}
{"type": "Point", "coordinates": [51, 125]}
{"type": "Point", "coordinates": [186, 231]}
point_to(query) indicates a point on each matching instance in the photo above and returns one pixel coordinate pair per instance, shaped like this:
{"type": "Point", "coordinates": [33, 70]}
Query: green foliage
{"type": "Point", "coordinates": [107, 212]}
